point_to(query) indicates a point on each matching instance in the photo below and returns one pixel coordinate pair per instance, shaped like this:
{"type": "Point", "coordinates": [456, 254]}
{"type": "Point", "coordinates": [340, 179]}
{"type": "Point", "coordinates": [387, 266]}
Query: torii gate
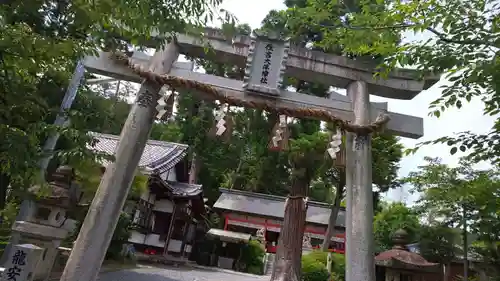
{"type": "Point", "coordinates": [267, 60]}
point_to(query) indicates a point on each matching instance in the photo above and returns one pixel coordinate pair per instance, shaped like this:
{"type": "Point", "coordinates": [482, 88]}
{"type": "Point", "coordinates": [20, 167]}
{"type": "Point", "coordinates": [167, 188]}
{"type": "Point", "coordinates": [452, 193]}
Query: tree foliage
{"type": "Point", "coordinates": [393, 217]}
{"type": "Point", "coordinates": [463, 44]}
{"type": "Point", "coordinates": [454, 195]}
{"type": "Point", "coordinates": [439, 243]}
{"type": "Point", "coordinates": [252, 257]}
{"type": "Point", "coordinates": [40, 43]}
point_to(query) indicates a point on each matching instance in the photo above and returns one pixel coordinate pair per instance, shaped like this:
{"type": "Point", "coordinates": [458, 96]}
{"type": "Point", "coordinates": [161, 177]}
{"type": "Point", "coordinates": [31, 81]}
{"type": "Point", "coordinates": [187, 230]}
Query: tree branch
{"type": "Point", "coordinates": [345, 25]}
{"type": "Point", "coordinates": [7, 80]}
{"type": "Point", "coordinates": [440, 35]}
{"type": "Point", "coordinates": [443, 38]}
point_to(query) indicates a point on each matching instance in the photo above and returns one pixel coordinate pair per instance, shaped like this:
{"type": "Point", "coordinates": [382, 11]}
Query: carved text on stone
{"type": "Point", "coordinates": [266, 67]}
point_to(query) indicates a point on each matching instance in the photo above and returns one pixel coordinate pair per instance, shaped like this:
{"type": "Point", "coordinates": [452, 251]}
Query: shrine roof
{"type": "Point", "coordinates": [229, 236]}
{"type": "Point", "coordinates": [177, 189]}
{"type": "Point", "coordinates": [158, 156]}
{"type": "Point", "coordinates": [272, 206]}
{"type": "Point", "coordinates": [399, 258]}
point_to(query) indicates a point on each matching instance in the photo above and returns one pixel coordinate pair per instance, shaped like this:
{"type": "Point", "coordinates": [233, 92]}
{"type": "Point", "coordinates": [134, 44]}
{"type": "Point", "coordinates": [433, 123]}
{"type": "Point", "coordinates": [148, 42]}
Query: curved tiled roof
{"type": "Point", "coordinates": [404, 257]}
{"type": "Point", "coordinates": [177, 189]}
{"type": "Point", "coordinates": [273, 206]}
{"type": "Point", "coordinates": [405, 260]}
{"type": "Point", "coordinates": [158, 156]}
{"type": "Point", "coordinates": [400, 257]}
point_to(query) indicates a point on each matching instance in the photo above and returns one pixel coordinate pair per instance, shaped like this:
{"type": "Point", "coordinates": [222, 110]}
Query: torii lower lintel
{"type": "Point", "coordinates": [400, 124]}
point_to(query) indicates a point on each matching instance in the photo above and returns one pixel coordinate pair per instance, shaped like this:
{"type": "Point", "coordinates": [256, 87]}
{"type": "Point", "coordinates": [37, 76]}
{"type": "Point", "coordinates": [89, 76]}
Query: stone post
{"type": "Point", "coordinates": [360, 247]}
{"type": "Point", "coordinates": [61, 119]}
{"type": "Point", "coordinates": [329, 261]}
{"type": "Point", "coordinates": [349, 245]}
{"type": "Point", "coordinates": [171, 226]}
{"type": "Point", "coordinates": [349, 146]}
{"type": "Point", "coordinates": [95, 235]}
{"type": "Point", "coordinates": [22, 262]}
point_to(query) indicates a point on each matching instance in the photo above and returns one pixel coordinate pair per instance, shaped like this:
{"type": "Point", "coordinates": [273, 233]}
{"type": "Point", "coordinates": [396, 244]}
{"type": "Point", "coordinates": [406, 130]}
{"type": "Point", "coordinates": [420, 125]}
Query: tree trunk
{"type": "Point", "coordinates": [4, 185]}
{"type": "Point", "coordinates": [288, 257]}
{"type": "Point", "coordinates": [234, 177]}
{"type": "Point", "coordinates": [447, 271]}
{"type": "Point", "coordinates": [334, 212]}
{"type": "Point", "coordinates": [198, 110]}
{"type": "Point", "coordinates": [195, 168]}
{"type": "Point", "coordinates": [242, 154]}
{"type": "Point", "coordinates": [261, 168]}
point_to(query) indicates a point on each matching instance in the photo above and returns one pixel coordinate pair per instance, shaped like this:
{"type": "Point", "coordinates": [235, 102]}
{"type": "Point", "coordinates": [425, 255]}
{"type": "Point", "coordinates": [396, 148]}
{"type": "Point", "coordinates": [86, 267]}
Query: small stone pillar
{"type": "Point", "coordinates": [22, 263]}
{"type": "Point", "coordinates": [306, 244]}
{"type": "Point", "coordinates": [329, 261]}
{"type": "Point", "coordinates": [42, 221]}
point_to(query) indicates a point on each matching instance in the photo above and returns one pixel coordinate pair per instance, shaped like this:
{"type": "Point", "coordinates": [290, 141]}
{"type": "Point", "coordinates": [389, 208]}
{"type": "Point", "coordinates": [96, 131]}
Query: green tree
{"type": "Point", "coordinates": [314, 270]}
{"type": "Point", "coordinates": [40, 42]}
{"type": "Point", "coordinates": [307, 153]}
{"type": "Point", "coordinates": [463, 45]}
{"type": "Point", "coordinates": [439, 243]}
{"type": "Point", "coordinates": [393, 217]}
{"type": "Point", "coordinates": [252, 257]}
{"type": "Point", "coordinates": [120, 237]}
{"type": "Point", "coordinates": [462, 197]}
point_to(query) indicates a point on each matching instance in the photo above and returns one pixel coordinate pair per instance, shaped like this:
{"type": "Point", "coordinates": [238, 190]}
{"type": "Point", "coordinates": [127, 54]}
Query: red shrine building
{"type": "Point", "coordinates": [248, 212]}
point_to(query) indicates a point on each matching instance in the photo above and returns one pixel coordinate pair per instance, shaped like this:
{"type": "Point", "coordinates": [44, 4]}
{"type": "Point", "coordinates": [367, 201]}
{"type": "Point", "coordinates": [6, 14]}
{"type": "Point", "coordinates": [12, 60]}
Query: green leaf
{"type": "Point", "coordinates": [453, 150]}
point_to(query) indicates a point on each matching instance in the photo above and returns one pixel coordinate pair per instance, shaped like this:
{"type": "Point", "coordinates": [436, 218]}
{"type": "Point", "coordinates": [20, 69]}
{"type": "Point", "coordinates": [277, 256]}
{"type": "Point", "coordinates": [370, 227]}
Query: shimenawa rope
{"type": "Point", "coordinates": [322, 114]}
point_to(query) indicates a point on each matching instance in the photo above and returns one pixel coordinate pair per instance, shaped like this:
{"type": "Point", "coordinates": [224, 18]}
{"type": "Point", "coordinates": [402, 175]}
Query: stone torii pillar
{"type": "Point", "coordinates": [360, 243]}
{"type": "Point", "coordinates": [90, 248]}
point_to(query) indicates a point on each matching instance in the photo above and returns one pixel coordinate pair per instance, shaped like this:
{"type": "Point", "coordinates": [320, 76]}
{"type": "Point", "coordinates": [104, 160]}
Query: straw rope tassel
{"type": "Point", "coordinates": [321, 114]}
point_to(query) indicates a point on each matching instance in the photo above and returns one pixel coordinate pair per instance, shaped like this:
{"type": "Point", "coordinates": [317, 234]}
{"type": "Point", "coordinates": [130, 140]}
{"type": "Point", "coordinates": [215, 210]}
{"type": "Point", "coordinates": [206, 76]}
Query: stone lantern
{"type": "Point", "coordinates": [399, 264]}
{"type": "Point", "coordinates": [42, 219]}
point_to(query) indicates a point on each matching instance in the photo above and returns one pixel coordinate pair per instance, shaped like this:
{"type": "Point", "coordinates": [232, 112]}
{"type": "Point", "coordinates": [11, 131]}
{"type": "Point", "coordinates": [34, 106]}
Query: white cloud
{"type": "Point", "coordinates": [252, 12]}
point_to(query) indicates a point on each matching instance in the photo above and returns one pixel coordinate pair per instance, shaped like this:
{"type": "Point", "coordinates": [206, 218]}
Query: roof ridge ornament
{"type": "Point", "coordinates": [400, 239]}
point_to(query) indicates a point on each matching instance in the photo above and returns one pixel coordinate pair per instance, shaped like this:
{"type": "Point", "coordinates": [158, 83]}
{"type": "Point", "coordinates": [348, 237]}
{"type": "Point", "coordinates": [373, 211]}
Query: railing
{"type": "Point", "coordinates": [272, 249]}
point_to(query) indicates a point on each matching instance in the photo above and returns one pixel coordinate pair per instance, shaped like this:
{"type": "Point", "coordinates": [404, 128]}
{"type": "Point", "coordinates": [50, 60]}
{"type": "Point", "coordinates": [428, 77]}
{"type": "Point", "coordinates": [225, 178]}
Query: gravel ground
{"type": "Point", "coordinates": [150, 273]}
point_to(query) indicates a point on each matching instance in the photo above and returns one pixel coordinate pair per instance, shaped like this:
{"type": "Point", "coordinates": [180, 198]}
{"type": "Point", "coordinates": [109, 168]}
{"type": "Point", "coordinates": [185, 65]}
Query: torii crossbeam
{"type": "Point", "coordinates": [267, 61]}
{"type": "Point", "coordinates": [399, 124]}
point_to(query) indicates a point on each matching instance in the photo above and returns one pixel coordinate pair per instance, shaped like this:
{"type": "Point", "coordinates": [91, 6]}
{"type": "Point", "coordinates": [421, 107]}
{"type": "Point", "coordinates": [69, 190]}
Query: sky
{"type": "Point", "coordinates": [468, 118]}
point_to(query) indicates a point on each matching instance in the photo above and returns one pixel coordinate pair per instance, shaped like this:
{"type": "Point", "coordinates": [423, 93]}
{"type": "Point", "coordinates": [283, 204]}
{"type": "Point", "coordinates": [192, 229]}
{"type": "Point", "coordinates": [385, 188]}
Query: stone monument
{"type": "Point", "coordinates": [261, 235]}
{"type": "Point", "coordinates": [22, 263]}
{"type": "Point", "coordinates": [42, 221]}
